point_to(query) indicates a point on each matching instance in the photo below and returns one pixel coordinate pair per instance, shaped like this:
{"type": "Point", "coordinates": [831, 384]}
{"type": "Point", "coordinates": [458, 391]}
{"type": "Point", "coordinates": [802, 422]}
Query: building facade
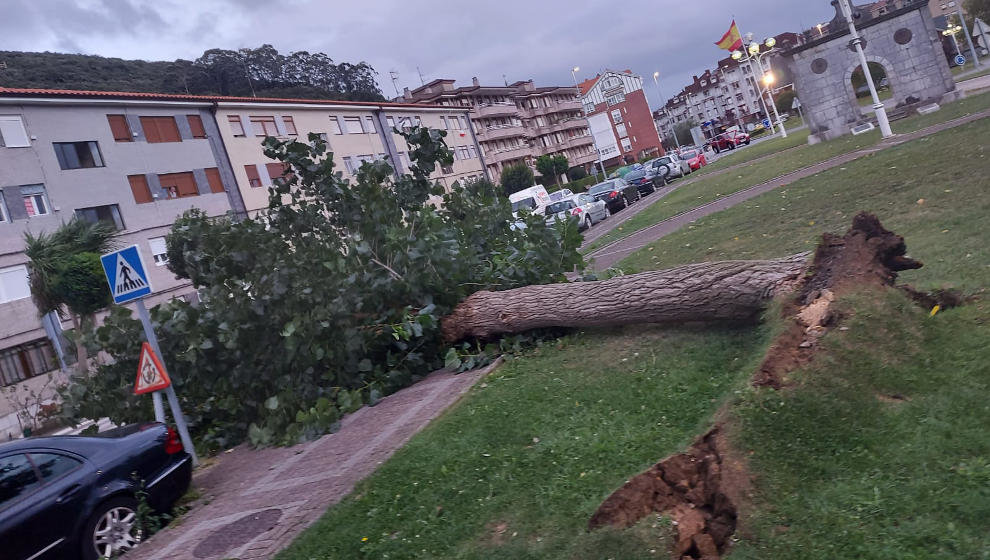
{"type": "Point", "coordinates": [516, 123]}
{"type": "Point", "coordinates": [620, 96]}
{"type": "Point", "coordinates": [354, 132]}
{"type": "Point", "coordinates": [134, 161]}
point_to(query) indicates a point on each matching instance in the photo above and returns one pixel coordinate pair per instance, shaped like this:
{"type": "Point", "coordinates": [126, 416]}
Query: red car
{"type": "Point", "coordinates": [695, 158]}
{"type": "Point", "coordinates": [729, 141]}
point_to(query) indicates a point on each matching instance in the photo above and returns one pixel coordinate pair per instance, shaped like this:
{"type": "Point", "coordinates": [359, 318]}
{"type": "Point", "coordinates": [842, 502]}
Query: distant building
{"type": "Point", "coordinates": [516, 123]}
{"type": "Point", "coordinates": [620, 96]}
{"type": "Point", "coordinates": [945, 7]}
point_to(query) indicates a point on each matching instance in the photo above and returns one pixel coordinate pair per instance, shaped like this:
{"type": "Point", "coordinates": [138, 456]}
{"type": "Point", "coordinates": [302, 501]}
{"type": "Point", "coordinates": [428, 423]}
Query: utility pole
{"type": "Point", "coordinates": [857, 41]}
{"type": "Point", "coordinates": [395, 81]}
{"type": "Point", "coordinates": [422, 82]}
{"type": "Point", "coordinates": [663, 107]}
{"type": "Point", "coordinates": [969, 38]}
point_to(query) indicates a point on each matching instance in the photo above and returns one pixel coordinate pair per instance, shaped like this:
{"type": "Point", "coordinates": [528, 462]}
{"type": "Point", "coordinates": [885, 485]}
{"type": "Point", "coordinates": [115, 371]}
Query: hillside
{"type": "Point", "coordinates": [216, 72]}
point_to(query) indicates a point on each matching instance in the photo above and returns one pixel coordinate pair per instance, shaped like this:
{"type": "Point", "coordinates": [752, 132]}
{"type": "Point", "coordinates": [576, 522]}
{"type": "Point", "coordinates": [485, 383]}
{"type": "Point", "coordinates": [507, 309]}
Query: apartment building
{"type": "Point", "coordinates": [516, 123]}
{"type": "Point", "coordinates": [135, 161]}
{"type": "Point", "coordinates": [354, 131]}
{"type": "Point", "coordinates": [619, 101]}
{"type": "Point", "coordinates": [727, 95]}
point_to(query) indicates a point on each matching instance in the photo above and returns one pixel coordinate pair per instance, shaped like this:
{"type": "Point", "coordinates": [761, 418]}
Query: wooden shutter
{"type": "Point", "coordinates": [196, 126]}
{"type": "Point", "coordinates": [213, 178]}
{"type": "Point", "coordinates": [290, 126]}
{"type": "Point", "coordinates": [119, 128]}
{"type": "Point", "coordinates": [150, 128]}
{"type": "Point", "coordinates": [160, 129]}
{"type": "Point", "coordinates": [276, 170]}
{"type": "Point", "coordinates": [179, 184]}
{"type": "Point", "coordinates": [139, 188]}
{"type": "Point", "coordinates": [254, 180]}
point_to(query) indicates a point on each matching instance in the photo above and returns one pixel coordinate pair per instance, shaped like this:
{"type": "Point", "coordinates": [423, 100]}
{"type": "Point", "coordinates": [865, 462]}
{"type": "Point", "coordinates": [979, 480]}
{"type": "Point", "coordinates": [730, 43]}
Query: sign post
{"type": "Point", "coordinates": [128, 281]}
{"type": "Point", "coordinates": [797, 105]}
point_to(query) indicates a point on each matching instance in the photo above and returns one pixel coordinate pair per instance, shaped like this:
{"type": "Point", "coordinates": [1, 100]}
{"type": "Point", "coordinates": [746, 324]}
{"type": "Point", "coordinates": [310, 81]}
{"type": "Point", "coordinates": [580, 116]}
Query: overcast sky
{"type": "Point", "coordinates": [520, 39]}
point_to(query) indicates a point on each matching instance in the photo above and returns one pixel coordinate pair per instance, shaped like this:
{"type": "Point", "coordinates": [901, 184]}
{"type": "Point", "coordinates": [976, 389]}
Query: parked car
{"type": "Point", "coordinates": [616, 193]}
{"type": "Point", "coordinates": [625, 169]}
{"type": "Point", "coordinates": [646, 180]}
{"type": "Point", "coordinates": [581, 207]}
{"type": "Point", "coordinates": [534, 198]}
{"type": "Point", "coordinates": [557, 196]}
{"type": "Point", "coordinates": [76, 496]}
{"type": "Point", "coordinates": [695, 159]}
{"type": "Point", "coordinates": [729, 140]}
{"type": "Point", "coordinates": [671, 166]}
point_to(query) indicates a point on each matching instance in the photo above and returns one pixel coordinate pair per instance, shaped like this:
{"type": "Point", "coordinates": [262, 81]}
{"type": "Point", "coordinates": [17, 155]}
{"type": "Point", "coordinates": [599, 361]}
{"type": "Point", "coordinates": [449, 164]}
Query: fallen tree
{"type": "Point", "coordinates": [715, 291]}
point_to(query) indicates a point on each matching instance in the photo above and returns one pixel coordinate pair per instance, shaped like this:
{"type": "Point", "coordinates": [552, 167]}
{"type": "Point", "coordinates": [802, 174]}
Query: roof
{"type": "Point", "coordinates": [586, 85]}
{"type": "Point", "coordinates": [148, 96]}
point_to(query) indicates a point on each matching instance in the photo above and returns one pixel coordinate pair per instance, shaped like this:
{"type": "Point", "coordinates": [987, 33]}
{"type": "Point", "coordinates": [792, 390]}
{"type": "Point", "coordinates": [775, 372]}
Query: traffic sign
{"type": "Point", "coordinates": [766, 123]}
{"type": "Point", "coordinates": [126, 274]}
{"type": "Point", "coordinates": [151, 374]}
{"type": "Point", "coordinates": [796, 104]}
{"type": "Point", "coordinates": [959, 60]}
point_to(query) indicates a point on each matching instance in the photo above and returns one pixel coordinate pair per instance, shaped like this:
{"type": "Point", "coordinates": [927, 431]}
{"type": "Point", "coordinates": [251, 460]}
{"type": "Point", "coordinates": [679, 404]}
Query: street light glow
{"type": "Point", "coordinates": [736, 55]}
{"type": "Point", "coordinates": [768, 79]}
{"type": "Point", "coordinates": [577, 68]}
{"type": "Point", "coordinates": [656, 75]}
{"type": "Point", "coordinates": [770, 42]}
{"type": "Point", "coordinates": [754, 48]}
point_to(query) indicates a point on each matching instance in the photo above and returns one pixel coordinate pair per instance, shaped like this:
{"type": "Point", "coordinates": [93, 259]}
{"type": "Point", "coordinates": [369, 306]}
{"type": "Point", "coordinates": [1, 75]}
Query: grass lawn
{"type": "Point", "coordinates": [705, 191]}
{"type": "Point", "coordinates": [868, 100]}
{"type": "Point", "coordinates": [956, 70]}
{"type": "Point", "coordinates": [516, 469]}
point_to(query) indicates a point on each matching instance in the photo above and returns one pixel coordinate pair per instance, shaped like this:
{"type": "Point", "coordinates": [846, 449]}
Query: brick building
{"type": "Point", "coordinates": [620, 99]}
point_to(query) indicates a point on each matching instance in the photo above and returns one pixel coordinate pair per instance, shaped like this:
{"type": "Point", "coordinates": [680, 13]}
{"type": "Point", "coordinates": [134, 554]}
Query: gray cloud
{"type": "Point", "coordinates": [520, 39]}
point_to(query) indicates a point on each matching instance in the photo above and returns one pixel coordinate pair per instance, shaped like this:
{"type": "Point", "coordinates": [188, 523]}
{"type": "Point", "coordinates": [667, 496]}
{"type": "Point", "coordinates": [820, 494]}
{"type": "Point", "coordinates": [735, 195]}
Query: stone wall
{"type": "Point", "coordinates": [905, 42]}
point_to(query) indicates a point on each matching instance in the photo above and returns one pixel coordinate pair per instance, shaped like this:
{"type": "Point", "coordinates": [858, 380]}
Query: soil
{"type": "Point", "coordinates": [702, 488]}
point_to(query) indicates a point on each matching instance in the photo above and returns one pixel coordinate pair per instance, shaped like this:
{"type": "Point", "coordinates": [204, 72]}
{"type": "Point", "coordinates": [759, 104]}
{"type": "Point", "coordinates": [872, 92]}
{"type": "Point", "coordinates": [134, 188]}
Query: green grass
{"type": "Point", "coordinates": [700, 193]}
{"type": "Point", "coordinates": [749, 153]}
{"type": "Point", "coordinates": [518, 467]}
{"type": "Point", "coordinates": [845, 473]}
{"type": "Point", "coordinates": [956, 70]}
{"type": "Point", "coordinates": [868, 100]}
{"type": "Point", "coordinates": [947, 170]}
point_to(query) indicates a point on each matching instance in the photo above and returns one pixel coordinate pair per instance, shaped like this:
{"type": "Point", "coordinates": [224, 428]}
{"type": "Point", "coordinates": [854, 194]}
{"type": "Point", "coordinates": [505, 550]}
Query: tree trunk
{"type": "Point", "coordinates": [715, 291]}
{"type": "Point", "coordinates": [82, 357]}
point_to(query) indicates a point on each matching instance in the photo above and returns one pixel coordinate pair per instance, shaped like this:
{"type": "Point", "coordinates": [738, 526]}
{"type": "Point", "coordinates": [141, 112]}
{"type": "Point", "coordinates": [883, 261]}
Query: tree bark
{"type": "Point", "coordinates": [715, 291]}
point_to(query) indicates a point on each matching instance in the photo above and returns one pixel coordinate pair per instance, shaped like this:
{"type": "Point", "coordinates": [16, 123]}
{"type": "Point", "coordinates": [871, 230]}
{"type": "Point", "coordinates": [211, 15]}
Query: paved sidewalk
{"type": "Point", "coordinates": [256, 501]}
{"type": "Point", "coordinates": [612, 253]}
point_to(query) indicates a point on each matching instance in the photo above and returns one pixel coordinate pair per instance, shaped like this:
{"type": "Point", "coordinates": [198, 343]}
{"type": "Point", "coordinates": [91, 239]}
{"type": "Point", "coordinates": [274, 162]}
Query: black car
{"type": "Point", "coordinates": [646, 180]}
{"type": "Point", "coordinates": [76, 496]}
{"type": "Point", "coordinates": [616, 193]}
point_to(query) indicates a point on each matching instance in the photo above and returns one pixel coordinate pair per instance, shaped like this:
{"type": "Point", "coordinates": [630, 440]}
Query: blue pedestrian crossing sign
{"type": "Point", "coordinates": [126, 275]}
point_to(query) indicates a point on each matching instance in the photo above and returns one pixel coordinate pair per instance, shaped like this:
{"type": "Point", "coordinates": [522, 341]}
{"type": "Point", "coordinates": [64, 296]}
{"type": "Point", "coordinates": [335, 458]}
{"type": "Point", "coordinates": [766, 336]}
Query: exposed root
{"type": "Point", "coordinates": [691, 489]}
{"type": "Point", "coordinates": [944, 299]}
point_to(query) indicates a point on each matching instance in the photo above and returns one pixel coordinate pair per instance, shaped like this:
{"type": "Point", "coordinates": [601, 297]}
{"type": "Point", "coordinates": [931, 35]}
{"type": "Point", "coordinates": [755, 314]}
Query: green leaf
{"type": "Point", "coordinates": [452, 360]}
{"type": "Point", "coordinates": [271, 403]}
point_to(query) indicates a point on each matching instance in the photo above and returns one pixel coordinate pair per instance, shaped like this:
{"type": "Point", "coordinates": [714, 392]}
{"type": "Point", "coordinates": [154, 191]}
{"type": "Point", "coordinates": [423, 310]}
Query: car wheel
{"type": "Point", "coordinates": [746, 142]}
{"type": "Point", "coordinates": [732, 146]}
{"type": "Point", "coordinates": [608, 213]}
{"type": "Point", "coordinates": [112, 529]}
{"type": "Point", "coordinates": [587, 222]}
{"type": "Point", "coordinates": [715, 148]}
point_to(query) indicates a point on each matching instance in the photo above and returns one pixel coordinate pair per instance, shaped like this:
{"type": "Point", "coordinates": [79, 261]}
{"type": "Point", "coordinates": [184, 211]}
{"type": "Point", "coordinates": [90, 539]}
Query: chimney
{"type": "Point", "coordinates": [475, 82]}
{"type": "Point", "coordinates": [406, 94]}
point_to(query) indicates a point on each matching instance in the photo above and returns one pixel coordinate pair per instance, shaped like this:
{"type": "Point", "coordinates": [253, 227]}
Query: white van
{"type": "Point", "coordinates": [534, 197]}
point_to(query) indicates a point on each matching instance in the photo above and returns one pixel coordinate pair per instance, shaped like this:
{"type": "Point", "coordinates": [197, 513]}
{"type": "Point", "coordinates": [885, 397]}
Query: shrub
{"type": "Point", "coordinates": [516, 178]}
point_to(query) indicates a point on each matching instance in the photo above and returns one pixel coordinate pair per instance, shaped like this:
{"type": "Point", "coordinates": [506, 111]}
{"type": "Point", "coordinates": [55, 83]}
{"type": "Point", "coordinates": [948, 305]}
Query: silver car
{"type": "Point", "coordinates": [671, 166]}
{"type": "Point", "coordinates": [582, 208]}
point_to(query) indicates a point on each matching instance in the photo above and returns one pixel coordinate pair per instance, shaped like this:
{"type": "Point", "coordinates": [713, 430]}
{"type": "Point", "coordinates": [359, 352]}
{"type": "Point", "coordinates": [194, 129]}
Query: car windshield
{"type": "Point", "coordinates": [689, 155]}
{"type": "Point", "coordinates": [663, 161]}
{"type": "Point", "coordinates": [639, 174]}
{"type": "Point", "coordinates": [524, 203]}
{"type": "Point", "coordinates": [561, 206]}
{"type": "Point", "coordinates": [602, 187]}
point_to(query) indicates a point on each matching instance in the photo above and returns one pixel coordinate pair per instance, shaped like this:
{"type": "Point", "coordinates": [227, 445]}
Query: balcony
{"type": "Point", "coordinates": [584, 158]}
{"type": "Point", "coordinates": [500, 131]}
{"type": "Point", "coordinates": [576, 141]}
{"type": "Point", "coordinates": [508, 154]}
{"type": "Point", "coordinates": [495, 110]}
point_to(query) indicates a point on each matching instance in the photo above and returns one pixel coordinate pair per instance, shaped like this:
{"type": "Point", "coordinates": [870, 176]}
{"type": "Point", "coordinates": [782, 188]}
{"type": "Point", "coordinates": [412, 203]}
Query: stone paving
{"type": "Point", "coordinates": [254, 502]}
{"type": "Point", "coordinates": [612, 253]}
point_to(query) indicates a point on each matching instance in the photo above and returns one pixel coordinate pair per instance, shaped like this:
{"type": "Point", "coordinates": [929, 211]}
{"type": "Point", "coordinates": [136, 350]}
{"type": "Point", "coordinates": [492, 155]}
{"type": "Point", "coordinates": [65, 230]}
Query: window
{"type": "Point", "coordinates": [35, 201]}
{"type": "Point", "coordinates": [179, 185]}
{"type": "Point", "coordinates": [446, 169]}
{"type": "Point", "coordinates": [276, 170]}
{"type": "Point", "coordinates": [52, 466]}
{"type": "Point", "coordinates": [108, 214]}
{"type": "Point", "coordinates": [12, 132]}
{"type": "Point", "coordinates": [26, 360]}
{"type": "Point", "coordinates": [119, 128]}
{"type": "Point", "coordinates": [446, 125]}
{"type": "Point", "coordinates": [290, 126]}
{"type": "Point", "coordinates": [160, 129]}
{"type": "Point", "coordinates": [17, 479]}
{"type": "Point", "coordinates": [589, 108]}
{"type": "Point", "coordinates": [236, 126]}
{"type": "Point", "coordinates": [620, 129]}
{"type": "Point", "coordinates": [626, 145]}
{"type": "Point", "coordinates": [349, 165]}
{"type": "Point", "coordinates": [159, 250]}
{"type": "Point", "coordinates": [390, 121]}
{"type": "Point", "coordinates": [616, 116]}
{"type": "Point", "coordinates": [615, 99]}
{"type": "Point", "coordinates": [140, 189]}
{"type": "Point", "coordinates": [254, 180]}
{"type": "Point", "coordinates": [369, 125]}
{"type": "Point", "coordinates": [213, 178]}
{"type": "Point", "coordinates": [353, 125]}
{"type": "Point", "coordinates": [263, 126]}
{"type": "Point", "coordinates": [77, 155]}
{"type": "Point", "coordinates": [335, 126]}
{"type": "Point", "coordinates": [14, 283]}
{"type": "Point", "coordinates": [196, 126]}
{"type": "Point", "coordinates": [473, 151]}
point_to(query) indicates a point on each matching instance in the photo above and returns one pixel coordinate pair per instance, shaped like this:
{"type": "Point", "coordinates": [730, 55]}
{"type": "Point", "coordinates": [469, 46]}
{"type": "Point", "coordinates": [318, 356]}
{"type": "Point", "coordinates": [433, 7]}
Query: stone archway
{"type": "Point", "coordinates": [905, 41]}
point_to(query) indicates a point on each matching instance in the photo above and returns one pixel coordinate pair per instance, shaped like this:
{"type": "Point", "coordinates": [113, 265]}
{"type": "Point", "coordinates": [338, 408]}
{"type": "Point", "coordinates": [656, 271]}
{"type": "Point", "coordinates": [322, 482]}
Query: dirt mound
{"type": "Point", "coordinates": [691, 489]}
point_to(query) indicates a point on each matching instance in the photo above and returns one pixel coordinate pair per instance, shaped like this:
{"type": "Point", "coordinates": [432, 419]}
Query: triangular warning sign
{"type": "Point", "coordinates": [127, 280]}
{"type": "Point", "coordinates": [151, 374]}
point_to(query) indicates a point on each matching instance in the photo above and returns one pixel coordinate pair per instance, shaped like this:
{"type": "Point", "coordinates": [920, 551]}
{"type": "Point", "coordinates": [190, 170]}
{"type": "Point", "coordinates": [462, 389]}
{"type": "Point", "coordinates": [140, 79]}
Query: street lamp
{"type": "Point", "coordinates": [673, 132]}
{"type": "Point", "coordinates": [857, 41]}
{"type": "Point", "coordinates": [584, 112]}
{"type": "Point", "coordinates": [952, 31]}
{"type": "Point", "coordinates": [755, 52]}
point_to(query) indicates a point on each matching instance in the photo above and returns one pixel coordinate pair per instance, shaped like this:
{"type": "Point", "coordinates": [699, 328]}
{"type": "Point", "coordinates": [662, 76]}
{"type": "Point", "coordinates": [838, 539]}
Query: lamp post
{"type": "Point", "coordinates": [878, 107]}
{"type": "Point", "coordinates": [969, 38]}
{"type": "Point", "coordinates": [673, 132]}
{"type": "Point", "coordinates": [584, 112]}
{"type": "Point", "coordinates": [755, 52]}
{"type": "Point", "coordinates": [951, 32]}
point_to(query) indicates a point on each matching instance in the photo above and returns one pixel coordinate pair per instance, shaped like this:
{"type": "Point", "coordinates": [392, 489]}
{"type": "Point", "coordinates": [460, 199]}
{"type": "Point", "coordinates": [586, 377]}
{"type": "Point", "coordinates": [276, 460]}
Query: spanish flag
{"type": "Point", "coordinates": [732, 40]}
